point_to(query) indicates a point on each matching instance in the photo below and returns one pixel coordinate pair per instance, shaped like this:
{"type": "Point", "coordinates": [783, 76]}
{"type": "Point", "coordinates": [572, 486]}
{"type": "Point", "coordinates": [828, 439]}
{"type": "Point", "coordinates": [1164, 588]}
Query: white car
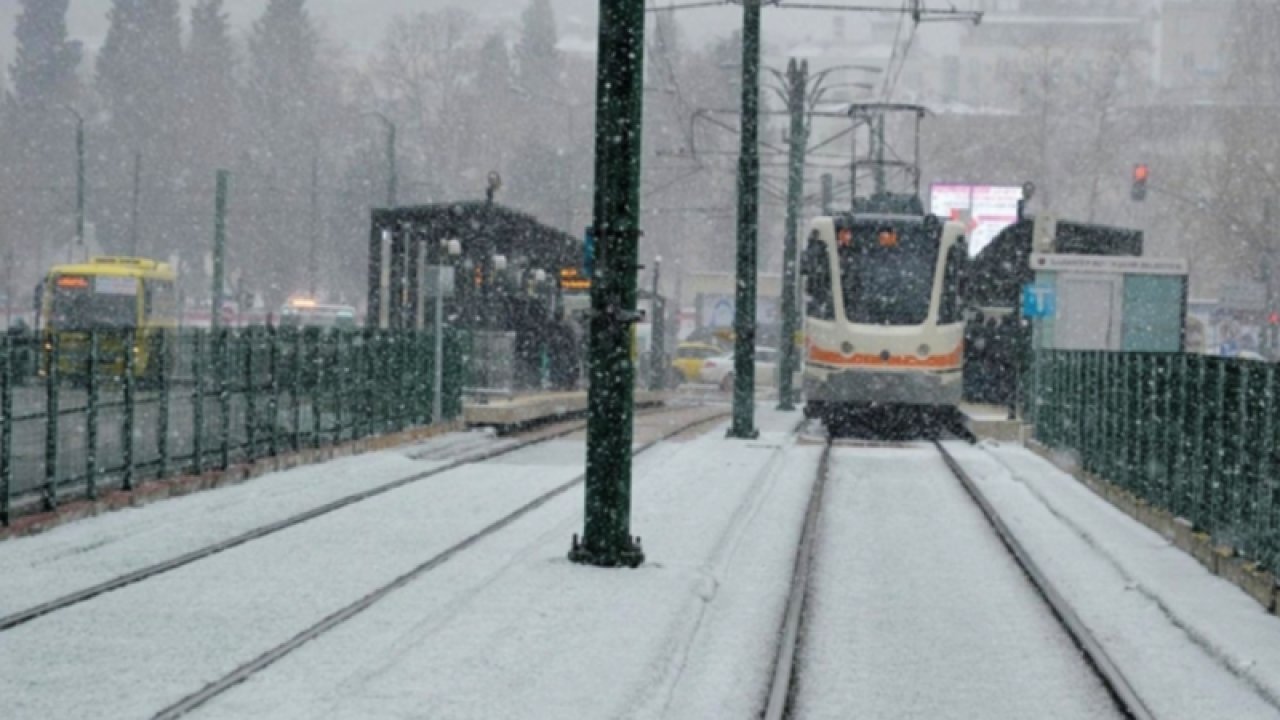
{"type": "Point", "coordinates": [718, 370]}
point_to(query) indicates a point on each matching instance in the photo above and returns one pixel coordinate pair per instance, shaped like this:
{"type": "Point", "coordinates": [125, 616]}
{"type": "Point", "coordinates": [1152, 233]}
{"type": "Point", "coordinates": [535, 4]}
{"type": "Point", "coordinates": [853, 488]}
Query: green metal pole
{"type": "Point", "coordinates": [744, 323]}
{"type": "Point", "coordinates": [161, 357]}
{"type": "Point", "coordinates": [91, 420]}
{"type": "Point", "coordinates": [130, 406]}
{"type": "Point", "coordinates": [137, 193]}
{"type": "Point", "coordinates": [222, 357]}
{"type": "Point", "coordinates": [197, 402]}
{"type": "Point", "coordinates": [6, 427]}
{"type": "Point", "coordinates": [51, 426]}
{"type": "Point", "coordinates": [219, 247]}
{"type": "Point", "coordinates": [657, 349]}
{"type": "Point", "coordinates": [80, 189]}
{"type": "Point", "coordinates": [606, 540]}
{"type": "Point", "coordinates": [797, 81]}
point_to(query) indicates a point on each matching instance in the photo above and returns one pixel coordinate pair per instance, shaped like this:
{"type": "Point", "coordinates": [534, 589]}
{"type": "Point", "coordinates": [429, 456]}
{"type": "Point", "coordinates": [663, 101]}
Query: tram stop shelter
{"type": "Point", "coordinates": [501, 253]}
{"type": "Point", "coordinates": [1107, 302]}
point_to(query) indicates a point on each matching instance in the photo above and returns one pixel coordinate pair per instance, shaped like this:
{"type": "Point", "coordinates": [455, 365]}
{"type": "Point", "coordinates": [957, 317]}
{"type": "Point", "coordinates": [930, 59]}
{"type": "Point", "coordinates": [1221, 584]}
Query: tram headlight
{"type": "Point", "coordinates": [923, 350]}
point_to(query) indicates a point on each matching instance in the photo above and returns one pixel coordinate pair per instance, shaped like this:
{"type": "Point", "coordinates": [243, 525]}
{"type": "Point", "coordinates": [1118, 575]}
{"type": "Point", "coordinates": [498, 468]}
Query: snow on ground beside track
{"type": "Point", "coordinates": [917, 610]}
{"type": "Point", "coordinates": [42, 567]}
{"type": "Point", "coordinates": [513, 630]}
{"type": "Point", "coordinates": [133, 651]}
{"type": "Point", "coordinates": [1193, 645]}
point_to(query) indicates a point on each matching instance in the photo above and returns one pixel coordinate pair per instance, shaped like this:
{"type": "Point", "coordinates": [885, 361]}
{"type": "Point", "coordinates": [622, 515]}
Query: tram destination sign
{"type": "Point", "coordinates": [1122, 264]}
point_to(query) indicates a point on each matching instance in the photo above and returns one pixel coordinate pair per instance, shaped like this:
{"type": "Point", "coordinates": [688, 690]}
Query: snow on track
{"type": "Point", "coordinates": [1192, 645]}
{"type": "Point", "coordinates": [517, 631]}
{"type": "Point", "coordinates": [917, 610]}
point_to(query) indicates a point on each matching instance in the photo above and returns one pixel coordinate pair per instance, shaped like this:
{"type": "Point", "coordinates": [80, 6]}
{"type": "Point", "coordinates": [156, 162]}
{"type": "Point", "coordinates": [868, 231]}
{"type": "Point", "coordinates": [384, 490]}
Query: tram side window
{"type": "Point", "coordinates": [819, 299]}
{"type": "Point", "coordinates": [950, 309]}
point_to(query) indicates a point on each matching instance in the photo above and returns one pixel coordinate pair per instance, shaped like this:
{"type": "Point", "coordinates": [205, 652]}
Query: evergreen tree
{"type": "Point", "coordinates": [44, 70]}
{"type": "Point", "coordinates": [537, 59]}
{"type": "Point", "coordinates": [38, 153]}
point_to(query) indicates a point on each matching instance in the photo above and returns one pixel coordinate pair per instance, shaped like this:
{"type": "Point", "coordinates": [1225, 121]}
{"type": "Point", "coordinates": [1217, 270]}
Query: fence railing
{"type": "Point", "coordinates": [80, 413]}
{"type": "Point", "coordinates": [1192, 434]}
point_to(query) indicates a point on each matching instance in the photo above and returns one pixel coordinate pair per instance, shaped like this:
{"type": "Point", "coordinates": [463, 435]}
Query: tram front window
{"type": "Point", "coordinates": [887, 275]}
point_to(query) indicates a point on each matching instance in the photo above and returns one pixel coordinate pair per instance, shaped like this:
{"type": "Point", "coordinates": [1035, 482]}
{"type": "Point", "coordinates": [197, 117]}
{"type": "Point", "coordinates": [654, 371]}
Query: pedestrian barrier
{"type": "Point", "coordinates": [80, 413]}
{"type": "Point", "coordinates": [1192, 434]}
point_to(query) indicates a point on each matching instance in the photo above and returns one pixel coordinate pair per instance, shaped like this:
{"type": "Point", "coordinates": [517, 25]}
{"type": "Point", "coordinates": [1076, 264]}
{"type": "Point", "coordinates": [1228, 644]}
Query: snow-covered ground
{"type": "Point", "coordinates": [1192, 645]}
{"type": "Point", "coordinates": [916, 609]}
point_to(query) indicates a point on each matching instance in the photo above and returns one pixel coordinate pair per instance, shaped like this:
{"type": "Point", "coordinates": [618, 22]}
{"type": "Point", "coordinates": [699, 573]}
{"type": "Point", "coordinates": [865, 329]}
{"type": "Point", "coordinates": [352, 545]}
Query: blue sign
{"type": "Point", "coordinates": [1038, 301]}
{"type": "Point", "coordinates": [589, 252]}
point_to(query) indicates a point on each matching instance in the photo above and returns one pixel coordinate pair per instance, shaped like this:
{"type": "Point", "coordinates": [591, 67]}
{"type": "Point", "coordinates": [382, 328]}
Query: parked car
{"type": "Point", "coordinates": [689, 358]}
{"type": "Point", "coordinates": [718, 370]}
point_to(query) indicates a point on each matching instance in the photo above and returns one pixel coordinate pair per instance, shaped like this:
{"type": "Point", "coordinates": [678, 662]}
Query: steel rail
{"type": "Point", "coordinates": [24, 616]}
{"type": "Point", "coordinates": [780, 689]}
{"type": "Point", "coordinates": [1114, 679]}
{"type": "Point", "coordinates": [247, 670]}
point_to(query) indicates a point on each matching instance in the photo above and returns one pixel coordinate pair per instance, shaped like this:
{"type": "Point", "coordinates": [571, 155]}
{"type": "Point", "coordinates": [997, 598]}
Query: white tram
{"type": "Point", "coordinates": [884, 324]}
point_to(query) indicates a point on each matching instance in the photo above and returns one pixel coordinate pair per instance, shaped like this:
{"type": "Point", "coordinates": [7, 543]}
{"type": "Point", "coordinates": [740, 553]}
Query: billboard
{"type": "Point", "coordinates": [991, 208]}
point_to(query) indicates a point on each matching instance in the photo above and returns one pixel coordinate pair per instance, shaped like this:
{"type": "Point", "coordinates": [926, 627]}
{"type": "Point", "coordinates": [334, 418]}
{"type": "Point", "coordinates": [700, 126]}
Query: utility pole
{"type": "Point", "coordinates": [877, 142]}
{"type": "Point", "coordinates": [137, 192]}
{"type": "Point", "coordinates": [219, 248]}
{"type": "Point", "coordinates": [797, 81]}
{"type": "Point", "coordinates": [658, 332]}
{"type": "Point", "coordinates": [606, 539]}
{"type": "Point", "coordinates": [80, 190]}
{"type": "Point", "coordinates": [312, 268]}
{"type": "Point", "coordinates": [744, 323]}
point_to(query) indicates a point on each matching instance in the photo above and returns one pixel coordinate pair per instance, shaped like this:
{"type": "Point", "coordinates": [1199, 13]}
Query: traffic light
{"type": "Point", "coordinates": [1139, 191]}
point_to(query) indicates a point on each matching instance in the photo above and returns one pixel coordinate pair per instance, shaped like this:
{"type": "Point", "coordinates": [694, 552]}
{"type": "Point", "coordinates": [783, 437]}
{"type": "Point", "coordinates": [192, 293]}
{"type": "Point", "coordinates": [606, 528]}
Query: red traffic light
{"type": "Point", "coordinates": [1274, 318]}
{"type": "Point", "coordinates": [1139, 190]}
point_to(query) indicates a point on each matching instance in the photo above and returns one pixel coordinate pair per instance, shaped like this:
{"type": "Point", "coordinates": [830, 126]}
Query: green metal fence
{"type": "Point", "coordinates": [1192, 434]}
{"type": "Point", "coordinates": [79, 414]}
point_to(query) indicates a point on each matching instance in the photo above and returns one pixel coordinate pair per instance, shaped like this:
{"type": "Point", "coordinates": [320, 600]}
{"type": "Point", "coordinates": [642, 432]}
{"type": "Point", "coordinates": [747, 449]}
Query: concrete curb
{"type": "Point", "coordinates": [1220, 559]}
{"type": "Point", "coordinates": [150, 491]}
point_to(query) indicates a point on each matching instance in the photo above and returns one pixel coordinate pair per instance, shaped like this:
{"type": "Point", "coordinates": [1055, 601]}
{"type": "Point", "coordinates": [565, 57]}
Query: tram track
{"type": "Point", "coordinates": [471, 455]}
{"type": "Point", "coordinates": [337, 618]}
{"type": "Point", "coordinates": [784, 688]}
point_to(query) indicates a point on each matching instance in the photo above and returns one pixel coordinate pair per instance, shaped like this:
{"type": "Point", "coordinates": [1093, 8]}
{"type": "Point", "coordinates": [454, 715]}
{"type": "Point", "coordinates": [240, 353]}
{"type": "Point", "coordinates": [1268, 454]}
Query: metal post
{"type": "Point", "coordinates": [137, 193]}
{"type": "Point", "coordinates": [877, 140]}
{"type": "Point", "coordinates": [219, 247]}
{"type": "Point", "coordinates": [80, 189]}
{"type": "Point", "coordinates": [51, 426]}
{"type": "Point", "coordinates": [222, 351]}
{"type": "Point", "coordinates": [437, 369]}
{"type": "Point", "coordinates": [797, 79]}
{"type": "Point", "coordinates": [130, 406]}
{"type": "Point", "coordinates": [606, 540]}
{"type": "Point", "coordinates": [658, 333]}
{"type": "Point", "coordinates": [744, 323]}
{"type": "Point", "coordinates": [197, 402]}
{"type": "Point", "coordinates": [6, 426]}
{"type": "Point", "coordinates": [91, 420]}
{"type": "Point", "coordinates": [312, 263]}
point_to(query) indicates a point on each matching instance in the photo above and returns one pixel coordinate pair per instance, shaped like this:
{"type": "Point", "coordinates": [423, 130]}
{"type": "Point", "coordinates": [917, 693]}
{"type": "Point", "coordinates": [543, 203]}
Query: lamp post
{"type": "Point", "coordinates": [80, 189]}
{"type": "Point", "coordinates": [392, 178]}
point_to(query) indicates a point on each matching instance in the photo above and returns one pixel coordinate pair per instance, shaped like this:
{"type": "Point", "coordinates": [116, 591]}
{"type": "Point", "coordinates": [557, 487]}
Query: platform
{"type": "Point", "coordinates": [991, 422]}
{"type": "Point", "coordinates": [526, 409]}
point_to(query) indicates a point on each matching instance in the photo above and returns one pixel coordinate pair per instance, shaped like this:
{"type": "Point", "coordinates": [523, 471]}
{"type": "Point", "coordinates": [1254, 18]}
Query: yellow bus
{"type": "Point", "coordinates": [110, 295]}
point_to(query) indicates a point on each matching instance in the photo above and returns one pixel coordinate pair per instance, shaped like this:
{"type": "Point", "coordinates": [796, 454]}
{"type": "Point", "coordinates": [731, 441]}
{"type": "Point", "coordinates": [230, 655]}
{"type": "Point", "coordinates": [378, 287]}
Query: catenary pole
{"type": "Point", "coordinates": [744, 324]}
{"type": "Point", "coordinates": [797, 80]}
{"type": "Point", "coordinates": [606, 539]}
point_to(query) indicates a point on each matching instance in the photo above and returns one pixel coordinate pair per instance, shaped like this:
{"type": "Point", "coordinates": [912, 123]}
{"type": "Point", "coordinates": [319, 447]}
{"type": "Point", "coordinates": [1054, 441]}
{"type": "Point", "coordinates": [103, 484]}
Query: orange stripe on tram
{"type": "Point", "coordinates": [941, 362]}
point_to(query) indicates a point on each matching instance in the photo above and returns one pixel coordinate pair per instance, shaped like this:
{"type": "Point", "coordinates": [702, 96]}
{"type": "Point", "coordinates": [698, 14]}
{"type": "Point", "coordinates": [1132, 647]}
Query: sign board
{"type": "Point", "coordinates": [1243, 295]}
{"type": "Point", "coordinates": [1122, 264]}
{"type": "Point", "coordinates": [991, 209]}
{"type": "Point", "coordinates": [717, 311]}
{"type": "Point", "coordinates": [1038, 301]}
{"type": "Point", "coordinates": [438, 280]}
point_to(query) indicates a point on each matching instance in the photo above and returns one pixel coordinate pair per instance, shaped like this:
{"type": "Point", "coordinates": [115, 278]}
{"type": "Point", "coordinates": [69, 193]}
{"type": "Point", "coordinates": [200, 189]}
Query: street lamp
{"type": "Point", "coordinates": [392, 179]}
{"type": "Point", "coordinates": [80, 190]}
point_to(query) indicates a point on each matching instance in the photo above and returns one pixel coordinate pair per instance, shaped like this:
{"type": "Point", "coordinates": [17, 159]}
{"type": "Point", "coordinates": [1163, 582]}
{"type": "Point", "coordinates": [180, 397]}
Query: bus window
{"type": "Point", "coordinates": [161, 300]}
{"type": "Point", "coordinates": [81, 302]}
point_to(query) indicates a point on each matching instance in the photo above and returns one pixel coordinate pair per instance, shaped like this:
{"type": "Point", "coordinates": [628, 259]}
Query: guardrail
{"type": "Point", "coordinates": [79, 416]}
{"type": "Point", "coordinates": [1192, 434]}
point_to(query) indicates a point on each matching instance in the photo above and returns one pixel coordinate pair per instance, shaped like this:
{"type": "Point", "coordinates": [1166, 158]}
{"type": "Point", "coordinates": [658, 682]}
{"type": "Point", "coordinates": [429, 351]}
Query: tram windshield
{"type": "Point", "coordinates": [887, 273]}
